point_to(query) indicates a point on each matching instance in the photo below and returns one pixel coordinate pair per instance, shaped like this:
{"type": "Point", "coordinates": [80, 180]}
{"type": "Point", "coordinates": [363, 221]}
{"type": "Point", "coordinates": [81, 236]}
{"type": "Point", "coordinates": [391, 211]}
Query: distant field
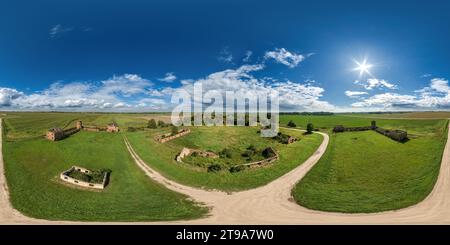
{"type": "Point", "coordinates": [408, 115]}
{"type": "Point", "coordinates": [34, 124]}
{"type": "Point", "coordinates": [33, 165]}
{"type": "Point", "coordinates": [368, 172]}
{"type": "Point", "coordinates": [162, 156]}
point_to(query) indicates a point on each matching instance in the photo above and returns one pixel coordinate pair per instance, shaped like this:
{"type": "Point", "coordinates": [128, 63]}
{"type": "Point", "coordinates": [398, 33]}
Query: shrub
{"type": "Point", "coordinates": [251, 148]}
{"type": "Point", "coordinates": [152, 123]}
{"type": "Point", "coordinates": [282, 138]}
{"type": "Point", "coordinates": [268, 152]}
{"type": "Point", "coordinates": [174, 130]}
{"type": "Point", "coordinates": [214, 167]}
{"type": "Point", "coordinates": [247, 153]}
{"type": "Point", "coordinates": [309, 128]}
{"type": "Point", "coordinates": [131, 129]}
{"type": "Point", "coordinates": [236, 169]}
{"type": "Point", "coordinates": [225, 153]}
{"type": "Point", "coordinates": [80, 176]}
{"type": "Point", "coordinates": [162, 124]}
{"type": "Point", "coordinates": [291, 124]}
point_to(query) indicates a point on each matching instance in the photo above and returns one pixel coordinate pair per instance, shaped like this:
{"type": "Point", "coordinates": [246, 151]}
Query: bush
{"type": "Point", "coordinates": [152, 123]}
{"type": "Point", "coordinates": [291, 124]}
{"type": "Point", "coordinates": [131, 129]}
{"type": "Point", "coordinates": [268, 153]}
{"type": "Point", "coordinates": [226, 153]}
{"type": "Point", "coordinates": [236, 169]}
{"type": "Point", "coordinates": [248, 153]}
{"type": "Point", "coordinates": [80, 176]}
{"type": "Point", "coordinates": [162, 124]}
{"type": "Point", "coordinates": [282, 138]}
{"type": "Point", "coordinates": [214, 168]}
{"type": "Point", "coordinates": [251, 148]}
{"type": "Point", "coordinates": [309, 128]}
{"type": "Point", "coordinates": [174, 130]}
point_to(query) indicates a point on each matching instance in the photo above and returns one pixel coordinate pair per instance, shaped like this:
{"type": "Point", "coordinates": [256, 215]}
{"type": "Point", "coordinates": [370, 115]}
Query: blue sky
{"type": "Point", "coordinates": [131, 55]}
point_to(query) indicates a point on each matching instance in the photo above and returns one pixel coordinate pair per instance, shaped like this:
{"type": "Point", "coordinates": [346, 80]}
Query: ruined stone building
{"type": "Point", "coordinates": [55, 134]}
{"type": "Point", "coordinates": [113, 127]}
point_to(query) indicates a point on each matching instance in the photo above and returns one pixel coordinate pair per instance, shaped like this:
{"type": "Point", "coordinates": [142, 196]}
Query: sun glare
{"type": "Point", "coordinates": [363, 67]}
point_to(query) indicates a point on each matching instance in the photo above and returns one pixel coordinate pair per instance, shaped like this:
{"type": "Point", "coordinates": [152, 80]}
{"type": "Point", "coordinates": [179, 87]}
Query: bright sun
{"type": "Point", "coordinates": [363, 67]}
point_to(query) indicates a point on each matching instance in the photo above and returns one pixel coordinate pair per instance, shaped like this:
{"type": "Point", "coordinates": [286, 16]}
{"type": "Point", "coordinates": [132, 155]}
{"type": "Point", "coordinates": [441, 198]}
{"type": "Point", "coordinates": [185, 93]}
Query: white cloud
{"type": "Point", "coordinates": [434, 96]}
{"type": "Point", "coordinates": [354, 94]}
{"type": "Point", "coordinates": [372, 83]}
{"type": "Point", "coordinates": [225, 56]}
{"type": "Point", "coordinates": [7, 95]}
{"type": "Point", "coordinates": [58, 29]}
{"type": "Point", "coordinates": [113, 93]}
{"type": "Point", "coordinates": [281, 55]}
{"type": "Point", "coordinates": [387, 100]}
{"type": "Point", "coordinates": [127, 85]}
{"type": "Point", "coordinates": [292, 96]}
{"type": "Point", "coordinates": [169, 77]}
{"type": "Point", "coordinates": [248, 54]}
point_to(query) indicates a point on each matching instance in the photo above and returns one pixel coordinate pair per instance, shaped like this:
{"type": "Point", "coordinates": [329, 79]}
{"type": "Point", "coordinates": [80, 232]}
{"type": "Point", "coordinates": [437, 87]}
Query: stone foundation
{"type": "Point", "coordinates": [64, 176]}
{"type": "Point", "coordinates": [168, 137]}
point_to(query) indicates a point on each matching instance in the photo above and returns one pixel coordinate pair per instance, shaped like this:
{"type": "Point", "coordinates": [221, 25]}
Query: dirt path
{"type": "Point", "coordinates": [271, 204]}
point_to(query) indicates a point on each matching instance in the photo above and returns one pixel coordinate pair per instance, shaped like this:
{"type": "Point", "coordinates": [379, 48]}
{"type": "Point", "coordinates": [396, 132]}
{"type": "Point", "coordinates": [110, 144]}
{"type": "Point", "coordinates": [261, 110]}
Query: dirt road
{"type": "Point", "coordinates": [271, 204]}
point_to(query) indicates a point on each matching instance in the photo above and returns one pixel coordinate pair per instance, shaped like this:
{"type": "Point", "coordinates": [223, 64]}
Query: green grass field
{"type": "Point", "coordinates": [33, 165]}
{"type": "Point", "coordinates": [35, 124]}
{"type": "Point", "coordinates": [161, 156]}
{"type": "Point", "coordinates": [368, 172]}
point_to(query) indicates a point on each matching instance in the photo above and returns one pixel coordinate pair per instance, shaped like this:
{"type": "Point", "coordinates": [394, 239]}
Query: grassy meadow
{"type": "Point", "coordinates": [367, 172]}
{"type": "Point", "coordinates": [33, 165]}
{"type": "Point", "coordinates": [162, 156]}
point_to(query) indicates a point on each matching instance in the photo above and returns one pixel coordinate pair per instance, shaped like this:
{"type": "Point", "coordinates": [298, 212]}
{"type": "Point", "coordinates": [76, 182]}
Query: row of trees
{"type": "Point", "coordinates": [160, 124]}
{"type": "Point", "coordinates": [309, 126]}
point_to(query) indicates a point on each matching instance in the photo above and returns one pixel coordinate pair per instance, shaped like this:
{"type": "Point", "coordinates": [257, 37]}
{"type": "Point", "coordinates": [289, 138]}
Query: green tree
{"type": "Point", "coordinates": [152, 123]}
{"type": "Point", "coordinates": [309, 128]}
{"type": "Point", "coordinates": [291, 124]}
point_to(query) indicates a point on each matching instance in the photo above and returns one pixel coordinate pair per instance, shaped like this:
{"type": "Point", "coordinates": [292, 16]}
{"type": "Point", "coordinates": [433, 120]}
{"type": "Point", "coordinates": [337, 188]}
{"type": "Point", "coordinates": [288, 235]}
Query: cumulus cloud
{"type": "Point", "coordinates": [287, 58]}
{"type": "Point", "coordinates": [131, 92]}
{"type": "Point", "coordinates": [112, 93]}
{"type": "Point", "coordinates": [127, 85]}
{"type": "Point", "coordinates": [387, 100]}
{"type": "Point", "coordinates": [7, 95]}
{"type": "Point", "coordinates": [434, 96]}
{"type": "Point", "coordinates": [292, 96]}
{"type": "Point", "coordinates": [354, 94]}
{"type": "Point", "coordinates": [372, 83]}
{"type": "Point", "coordinates": [169, 77]}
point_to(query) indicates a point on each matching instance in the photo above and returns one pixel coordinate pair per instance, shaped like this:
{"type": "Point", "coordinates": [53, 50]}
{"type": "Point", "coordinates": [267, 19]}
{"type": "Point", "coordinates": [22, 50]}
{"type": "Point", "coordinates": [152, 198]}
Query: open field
{"type": "Point", "coordinates": [368, 172]}
{"type": "Point", "coordinates": [35, 124]}
{"type": "Point", "coordinates": [216, 139]}
{"type": "Point", "coordinates": [33, 165]}
{"type": "Point", "coordinates": [406, 115]}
